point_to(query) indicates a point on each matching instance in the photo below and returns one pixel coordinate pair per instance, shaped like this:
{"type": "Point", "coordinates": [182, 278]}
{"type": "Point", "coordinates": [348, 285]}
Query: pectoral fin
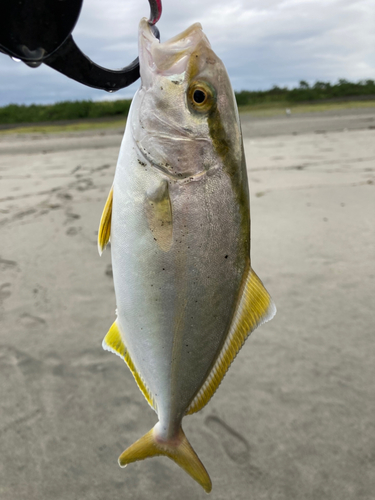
{"type": "Point", "coordinates": [254, 308]}
{"type": "Point", "coordinates": [105, 224]}
{"type": "Point", "coordinates": [158, 210]}
{"type": "Point", "coordinates": [113, 342]}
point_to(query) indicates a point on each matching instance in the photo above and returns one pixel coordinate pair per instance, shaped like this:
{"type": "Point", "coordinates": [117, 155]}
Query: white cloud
{"type": "Point", "coordinates": [262, 42]}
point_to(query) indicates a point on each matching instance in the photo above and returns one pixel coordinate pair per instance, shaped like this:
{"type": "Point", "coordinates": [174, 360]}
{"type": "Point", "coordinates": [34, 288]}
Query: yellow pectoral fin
{"type": "Point", "coordinates": [113, 342]}
{"type": "Point", "coordinates": [158, 210]}
{"type": "Point", "coordinates": [105, 224]}
{"type": "Point", "coordinates": [254, 308]}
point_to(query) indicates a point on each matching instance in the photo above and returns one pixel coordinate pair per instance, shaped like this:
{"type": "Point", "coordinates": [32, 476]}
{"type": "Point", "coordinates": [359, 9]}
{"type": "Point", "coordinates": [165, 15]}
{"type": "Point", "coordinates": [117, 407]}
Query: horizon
{"type": "Point", "coordinates": [115, 96]}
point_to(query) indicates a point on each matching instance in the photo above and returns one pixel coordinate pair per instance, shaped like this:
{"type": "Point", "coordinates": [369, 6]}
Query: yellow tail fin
{"type": "Point", "coordinates": [179, 450]}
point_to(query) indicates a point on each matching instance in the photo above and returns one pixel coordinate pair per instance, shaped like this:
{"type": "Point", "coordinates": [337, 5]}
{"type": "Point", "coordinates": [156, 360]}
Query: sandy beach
{"type": "Point", "coordinates": [293, 418]}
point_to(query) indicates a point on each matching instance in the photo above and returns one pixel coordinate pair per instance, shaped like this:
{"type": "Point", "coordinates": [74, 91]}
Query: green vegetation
{"type": "Point", "coordinates": [257, 110]}
{"type": "Point", "coordinates": [262, 102]}
{"type": "Point", "coordinates": [342, 90]}
{"type": "Point", "coordinates": [68, 110]}
{"type": "Point", "coordinates": [278, 108]}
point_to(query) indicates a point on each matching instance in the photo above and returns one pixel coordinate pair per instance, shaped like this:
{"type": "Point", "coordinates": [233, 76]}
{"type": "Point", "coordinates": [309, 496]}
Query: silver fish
{"type": "Point", "coordinates": [178, 219]}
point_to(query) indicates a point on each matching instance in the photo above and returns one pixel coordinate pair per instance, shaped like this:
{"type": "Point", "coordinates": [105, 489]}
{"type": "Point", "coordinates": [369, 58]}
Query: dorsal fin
{"type": "Point", "coordinates": [104, 232]}
{"type": "Point", "coordinates": [254, 308]}
{"type": "Point", "coordinates": [113, 342]}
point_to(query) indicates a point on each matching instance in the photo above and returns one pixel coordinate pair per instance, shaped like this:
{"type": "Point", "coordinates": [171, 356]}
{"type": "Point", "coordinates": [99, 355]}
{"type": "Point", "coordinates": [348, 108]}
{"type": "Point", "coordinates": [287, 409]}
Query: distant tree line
{"type": "Point", "coordinates": [66, 110]}
{"type": "Point", "coordinates": [343, 89]}
{"type": "Point", "coordinates": [76, 110]}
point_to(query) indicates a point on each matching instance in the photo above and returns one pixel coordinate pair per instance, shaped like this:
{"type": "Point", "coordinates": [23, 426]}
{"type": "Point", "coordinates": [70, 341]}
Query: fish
{"type": "Point", "coordinates": [178, 221]}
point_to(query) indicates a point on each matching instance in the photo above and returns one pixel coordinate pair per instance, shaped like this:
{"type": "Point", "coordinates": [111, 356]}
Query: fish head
{"type": "Point", "coordinates": [184, 117]}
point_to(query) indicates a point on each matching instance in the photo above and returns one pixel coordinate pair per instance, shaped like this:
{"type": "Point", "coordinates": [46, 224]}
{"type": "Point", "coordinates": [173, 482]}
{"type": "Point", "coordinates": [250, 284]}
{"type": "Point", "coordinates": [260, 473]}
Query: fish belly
{"type": "Point", "coordinates": [178, 280]}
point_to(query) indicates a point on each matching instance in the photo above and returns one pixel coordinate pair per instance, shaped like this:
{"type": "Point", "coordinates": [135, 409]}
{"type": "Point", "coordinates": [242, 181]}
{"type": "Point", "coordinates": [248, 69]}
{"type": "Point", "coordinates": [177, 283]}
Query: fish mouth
{"type": "Point", "coordinates": [170, 57]}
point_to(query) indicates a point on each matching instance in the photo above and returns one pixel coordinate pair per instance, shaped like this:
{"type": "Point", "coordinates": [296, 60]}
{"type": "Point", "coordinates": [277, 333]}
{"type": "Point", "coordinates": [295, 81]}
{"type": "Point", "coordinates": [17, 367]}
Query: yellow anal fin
{"type": "Point", "coordinates": [105, 224]}
{"type": "Point", "coordinates": [179, 450]}
{"type": "Point", "coordinates": [254, 308]}
{"type": "Point", "coordinates": [113, 342]}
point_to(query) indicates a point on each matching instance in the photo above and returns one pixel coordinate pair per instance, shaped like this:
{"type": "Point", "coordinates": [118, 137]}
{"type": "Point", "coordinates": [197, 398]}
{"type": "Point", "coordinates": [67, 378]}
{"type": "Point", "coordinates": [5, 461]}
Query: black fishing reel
{"type": "Point", "coordinates": [39, 31]}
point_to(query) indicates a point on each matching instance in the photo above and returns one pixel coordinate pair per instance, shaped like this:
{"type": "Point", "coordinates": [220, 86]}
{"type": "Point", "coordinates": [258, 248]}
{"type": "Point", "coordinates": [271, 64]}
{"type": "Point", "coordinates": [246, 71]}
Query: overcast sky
{"type": "Point", "coordinates": [262, 43]}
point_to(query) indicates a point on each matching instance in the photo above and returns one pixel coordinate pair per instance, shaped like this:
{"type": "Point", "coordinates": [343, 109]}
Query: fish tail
{"type": "Point", "coordinates": [177, 449]}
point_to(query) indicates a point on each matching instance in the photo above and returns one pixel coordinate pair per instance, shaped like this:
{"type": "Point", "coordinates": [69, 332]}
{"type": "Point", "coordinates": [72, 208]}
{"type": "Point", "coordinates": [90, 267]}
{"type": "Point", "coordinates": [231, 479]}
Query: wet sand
{"type": "Point", "coordinates": [293, 418]}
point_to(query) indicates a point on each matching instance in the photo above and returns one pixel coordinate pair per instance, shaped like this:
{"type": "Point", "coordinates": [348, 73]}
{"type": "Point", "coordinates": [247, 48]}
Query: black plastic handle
{"type": "Point", "coordinates": [39, 31]}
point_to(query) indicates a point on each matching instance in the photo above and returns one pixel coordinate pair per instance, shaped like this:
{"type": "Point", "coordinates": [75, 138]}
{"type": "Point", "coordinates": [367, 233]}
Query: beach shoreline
{"type": "Point", "coordinates": [293, 417]}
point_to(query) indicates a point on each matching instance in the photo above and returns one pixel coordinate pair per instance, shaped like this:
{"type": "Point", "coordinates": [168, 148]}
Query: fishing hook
{"type": "Point", "coordinates": [39, 31]}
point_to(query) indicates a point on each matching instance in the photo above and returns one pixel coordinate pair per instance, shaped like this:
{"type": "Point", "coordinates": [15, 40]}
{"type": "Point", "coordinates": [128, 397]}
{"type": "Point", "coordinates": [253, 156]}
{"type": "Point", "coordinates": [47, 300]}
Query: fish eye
{"type": "Point", "coordinates": [201, 96]}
